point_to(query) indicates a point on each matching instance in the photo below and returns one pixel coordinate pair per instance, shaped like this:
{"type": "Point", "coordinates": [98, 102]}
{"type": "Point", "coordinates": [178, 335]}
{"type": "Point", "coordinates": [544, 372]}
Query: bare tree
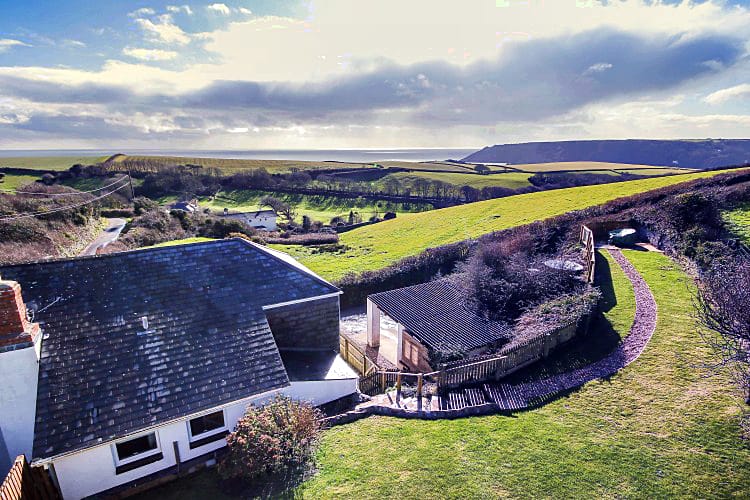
{"type": "Point", "coordinates": [280, 207]}
{"type": "Point", "coordinates": [723, 304]}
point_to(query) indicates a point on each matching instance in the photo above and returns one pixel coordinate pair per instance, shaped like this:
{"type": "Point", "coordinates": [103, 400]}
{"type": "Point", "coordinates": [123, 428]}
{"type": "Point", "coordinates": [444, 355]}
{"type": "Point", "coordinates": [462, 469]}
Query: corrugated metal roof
{"type": "Point", "coordinates": [436, 315]}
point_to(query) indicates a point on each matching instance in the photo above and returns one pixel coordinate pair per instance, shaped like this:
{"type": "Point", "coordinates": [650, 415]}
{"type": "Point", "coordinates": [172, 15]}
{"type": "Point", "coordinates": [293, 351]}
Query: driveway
{"type": "Point", "coordinates": [108, 235]}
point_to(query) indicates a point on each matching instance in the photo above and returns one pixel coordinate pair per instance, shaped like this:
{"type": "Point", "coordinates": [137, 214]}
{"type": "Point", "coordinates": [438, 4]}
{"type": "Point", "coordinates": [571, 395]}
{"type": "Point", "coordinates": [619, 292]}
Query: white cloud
{"type": "Point", "coordinates": [243, 10]}
{"type": "Point", "coordinates": [597, 68]}
{"type": "Point", "coordinates": [741, 91]}
{"type": "Point", "coordinates": [164, 30]}
{"type": "Point", "coordinates": [149, 54]}
{"type": "Point", "coordinates": [143, 11]}
{"type": "Point", "coordinates": [7, 43]}
{"type": "Point", "coordinates": [73, 43]}
{"type": "Point", "coordinates": [219, 8]}
{"type": "Point", "coordinates": [176, 9]}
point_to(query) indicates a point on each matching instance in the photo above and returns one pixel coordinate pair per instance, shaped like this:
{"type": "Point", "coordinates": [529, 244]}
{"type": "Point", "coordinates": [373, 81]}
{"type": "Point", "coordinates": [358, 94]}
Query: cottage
{"type": "Point", "coordinates": [429, 318]}
{"type": "Point", "coordinates": [189, 206]}
{"type": "Point", "coordinates": [120, 368]}
{"type": "Point", "coordinates": [262, 220]}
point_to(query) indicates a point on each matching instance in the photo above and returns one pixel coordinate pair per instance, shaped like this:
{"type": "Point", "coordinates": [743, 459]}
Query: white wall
{"type": "Point", "coordinates": [320, 392]}
{"type": "Point", "coordinates": [93, 470]}
{"type": "Point", "coordinates": [19, 372]}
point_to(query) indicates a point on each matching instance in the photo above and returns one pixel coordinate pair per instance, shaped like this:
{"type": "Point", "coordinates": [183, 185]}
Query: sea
{"type": "Point", "coordinates": [342, 155]}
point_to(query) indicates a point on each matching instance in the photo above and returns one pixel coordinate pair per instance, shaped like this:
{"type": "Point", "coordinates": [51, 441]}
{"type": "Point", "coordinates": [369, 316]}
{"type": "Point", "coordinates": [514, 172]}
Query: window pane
{"type": "Point", "coordinates": [136, 446]}
{"type": "Point", "coordinates": [207, 423]}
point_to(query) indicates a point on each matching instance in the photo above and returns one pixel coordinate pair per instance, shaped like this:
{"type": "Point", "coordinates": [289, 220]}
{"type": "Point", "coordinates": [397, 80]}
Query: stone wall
{"type": "Point", "coordinates": [306, 325]}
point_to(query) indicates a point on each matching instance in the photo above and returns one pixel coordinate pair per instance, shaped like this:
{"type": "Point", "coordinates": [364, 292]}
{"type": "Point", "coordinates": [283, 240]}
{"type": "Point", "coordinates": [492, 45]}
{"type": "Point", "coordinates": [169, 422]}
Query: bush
{"type": "Point", "coordinates": [275, 442]}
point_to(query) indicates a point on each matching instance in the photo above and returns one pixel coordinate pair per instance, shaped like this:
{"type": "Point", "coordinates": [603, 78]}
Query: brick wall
{"type": "Point", "coordinates": [307, 325]}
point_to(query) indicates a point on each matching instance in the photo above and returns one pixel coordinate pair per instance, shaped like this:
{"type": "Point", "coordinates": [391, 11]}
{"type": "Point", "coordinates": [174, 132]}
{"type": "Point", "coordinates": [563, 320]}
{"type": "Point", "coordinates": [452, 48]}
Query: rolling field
{"type": "Point", "coordinates": [322, 208]}
{"type": "Point", "coordinates": [511, 180]}
{"type": "Point", "coordinates": [230, 166]}
{"type": "Point", "coordinates": [11, 182]}
{"type": "Point", "coordinates": [585, 165]}
{"type": "Point", "coordinates": [376, 246]}
{"type": "Point", "coordinates": [739, 222]}
{"type": "Point", "coordinates": [49, 162]}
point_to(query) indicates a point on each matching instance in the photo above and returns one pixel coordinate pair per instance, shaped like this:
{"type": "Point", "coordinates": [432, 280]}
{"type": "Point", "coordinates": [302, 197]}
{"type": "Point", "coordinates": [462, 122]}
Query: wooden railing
{"type": "Point", "coordinates": [28, 483]}
{"type": "Point", "coordinates": [356, 357]}
{"type": "Point", "coordinates": [589, 252]}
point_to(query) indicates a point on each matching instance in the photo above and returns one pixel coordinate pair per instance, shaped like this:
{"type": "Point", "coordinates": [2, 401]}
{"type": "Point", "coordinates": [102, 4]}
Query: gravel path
{"type": "Point", "coordinates": [516, 396]}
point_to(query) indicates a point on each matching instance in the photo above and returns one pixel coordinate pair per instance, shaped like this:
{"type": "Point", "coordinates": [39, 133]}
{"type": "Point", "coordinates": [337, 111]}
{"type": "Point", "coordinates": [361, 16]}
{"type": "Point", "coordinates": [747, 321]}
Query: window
{"type": "Point", "coordinates": [206, 429]}
{"type": "Point", "coordinates": [207, 423]}
{"type": "Point", "coordinates": [137, 452]}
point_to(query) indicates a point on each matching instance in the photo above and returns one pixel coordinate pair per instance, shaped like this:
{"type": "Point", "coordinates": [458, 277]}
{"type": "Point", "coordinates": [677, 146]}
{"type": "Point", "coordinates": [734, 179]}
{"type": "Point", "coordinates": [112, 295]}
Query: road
{"type": "Point", "coordinates": [108, 235]}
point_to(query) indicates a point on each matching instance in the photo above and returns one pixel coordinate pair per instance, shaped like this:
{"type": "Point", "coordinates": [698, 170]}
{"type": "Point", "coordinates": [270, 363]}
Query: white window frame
{"type": "Point", "coordinates": [197, 437]}
{"type": "Point", "coordinates": [140, 456]}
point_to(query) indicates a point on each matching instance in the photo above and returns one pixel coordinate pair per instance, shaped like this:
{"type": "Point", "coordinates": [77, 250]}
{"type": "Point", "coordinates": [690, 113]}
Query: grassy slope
{"type": "Point", "coordinates": [657, 429]}
{"type": "Point", "coordinates": [11, 182]}
{"type": "Point", "coordinates": [321, 208]}
{"type": "Point", "coordinates": [739, 222]}
{"type": "Point", "coordinates": [511, 180]}
{"type": "Point", "coordinates": [49, 162]}
{"type": "Point", "coordinates": [376, 246]}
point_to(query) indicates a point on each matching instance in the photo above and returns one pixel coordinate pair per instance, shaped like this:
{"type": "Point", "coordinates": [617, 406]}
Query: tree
{"type": "Point", "coordinates": [392, 185]}
{"type": "Point", "coordinates": [276, 441]}
{"type": "Point", "coordinates": [280, 207]}
{"type": "Point", "coordinates": [723, 304]}
{"type": "Point", "coordinates": [482, 169]}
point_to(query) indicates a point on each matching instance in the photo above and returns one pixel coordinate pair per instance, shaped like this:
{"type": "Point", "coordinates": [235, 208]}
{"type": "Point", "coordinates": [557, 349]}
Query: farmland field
{"type": "Point", "coordinates": [584, 165]}
{"type": "Point", "coordinates": [376, 246]}
{"type": "Point", "coordinates": [657, 429]}
{"type": "Point", "coordinates": [511, 180]}
{"type": "Point", "coordinates": [49, 162]}
{"type": "Point", "coordinates": [13, 181]}
{"type": "Point", "coordinates": [230, 166]}
{"type": "Point", "coordinates": [739, 222]}
{"type": "Point", "coordinates": [322, 208]}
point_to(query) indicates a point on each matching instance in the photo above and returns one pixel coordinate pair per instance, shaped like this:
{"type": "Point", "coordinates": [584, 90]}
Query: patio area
{"type": "Point", "coordinates": [354, 328]}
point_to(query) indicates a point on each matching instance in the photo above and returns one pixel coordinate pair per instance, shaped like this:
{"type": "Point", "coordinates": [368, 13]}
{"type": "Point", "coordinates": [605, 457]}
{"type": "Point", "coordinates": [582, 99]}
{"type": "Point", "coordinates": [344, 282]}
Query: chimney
{"type": "Point", "coordinates": [16, 332]}
{"type": "Point", "coordinates": [20, 349]}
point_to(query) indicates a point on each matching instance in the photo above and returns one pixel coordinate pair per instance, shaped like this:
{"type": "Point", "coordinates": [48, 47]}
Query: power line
{"type": "Point", "coordinates": [67, 207]}
{"type": "Point", "coordinates": [68, 194]}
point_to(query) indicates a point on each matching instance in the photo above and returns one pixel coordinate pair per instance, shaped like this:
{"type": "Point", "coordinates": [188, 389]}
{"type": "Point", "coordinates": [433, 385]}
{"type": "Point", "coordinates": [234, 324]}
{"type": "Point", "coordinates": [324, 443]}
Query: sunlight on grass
{"type": "Point", "coordinates": [739, 222]}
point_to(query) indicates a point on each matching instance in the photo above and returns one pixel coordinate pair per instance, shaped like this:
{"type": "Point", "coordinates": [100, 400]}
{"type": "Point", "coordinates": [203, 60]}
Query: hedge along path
{"type": "Point", "coordinates": [378, 245]}
{"type": "Point", "coordinates": [493, 397]}
{"type": "Point", "coordinates": [513, 397]}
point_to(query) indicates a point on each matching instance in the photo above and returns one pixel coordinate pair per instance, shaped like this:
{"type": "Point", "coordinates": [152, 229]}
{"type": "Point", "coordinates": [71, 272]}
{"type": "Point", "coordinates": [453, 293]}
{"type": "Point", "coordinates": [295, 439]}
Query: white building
{"type": "Point", "coordinates": [136, 364]}
{"type": "Point", "coordinates": [262, 220]}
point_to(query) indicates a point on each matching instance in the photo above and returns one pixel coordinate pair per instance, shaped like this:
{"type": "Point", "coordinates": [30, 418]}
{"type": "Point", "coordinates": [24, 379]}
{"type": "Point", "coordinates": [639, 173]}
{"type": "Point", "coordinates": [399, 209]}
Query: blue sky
{"type": "Point", "coordinates": [356, 73]}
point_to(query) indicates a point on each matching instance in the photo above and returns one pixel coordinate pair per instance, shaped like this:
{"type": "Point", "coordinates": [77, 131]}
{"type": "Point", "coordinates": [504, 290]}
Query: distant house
{"type": "Point", "coordinates": [119, 368]}
{"type": "Point", "coordinates": [263, 220]}
{"type": "Point", "coordinates": [189, 206]}
{"type": "Point", "coordinates": [430, 317]}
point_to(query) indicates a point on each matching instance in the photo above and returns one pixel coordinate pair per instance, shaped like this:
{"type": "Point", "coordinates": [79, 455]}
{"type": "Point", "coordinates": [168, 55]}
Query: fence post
{"type": "Point", "coordinates": [398, 388]}
{"type": "Point", "coordinates": [419, 392]}
{"type": "Point", "coordinates": [382, 381]}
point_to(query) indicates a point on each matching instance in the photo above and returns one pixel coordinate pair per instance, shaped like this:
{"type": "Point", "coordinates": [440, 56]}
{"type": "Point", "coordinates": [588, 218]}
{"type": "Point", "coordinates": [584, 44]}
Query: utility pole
{"type": "Point", "coordinates": [130, 181]}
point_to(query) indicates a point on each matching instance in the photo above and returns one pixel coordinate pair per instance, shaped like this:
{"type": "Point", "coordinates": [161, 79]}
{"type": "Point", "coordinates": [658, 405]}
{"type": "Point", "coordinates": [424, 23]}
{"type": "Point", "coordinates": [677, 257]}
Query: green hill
{"type": "Point", "coordinates": [376, 246]}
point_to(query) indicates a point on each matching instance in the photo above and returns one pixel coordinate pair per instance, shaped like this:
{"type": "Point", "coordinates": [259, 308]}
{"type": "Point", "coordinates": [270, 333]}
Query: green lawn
{"type": "Point", "coordinates": [11, 182]}
{"type": "Point", "coordinates": [378, 245]}
{"type": "Point", "coordinates": [49, 162]}
{"type": "Point", "coordinates": [322, 208]}
{"type": "Point", "coordinates": [739, 221]}
{"type": "Point", "coordinates": [658, 429]}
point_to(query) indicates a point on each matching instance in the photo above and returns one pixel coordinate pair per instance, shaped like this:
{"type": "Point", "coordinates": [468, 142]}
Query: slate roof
{"type": "Point", "coordinates": [207, 343]}
{"type": "Point", "coordinates": [434, 314]}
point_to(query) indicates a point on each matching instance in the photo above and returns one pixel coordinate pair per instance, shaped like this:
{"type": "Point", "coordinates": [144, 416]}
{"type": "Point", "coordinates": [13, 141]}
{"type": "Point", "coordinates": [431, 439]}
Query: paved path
{"type": "Point", "coordinates": [492, 397]}
{"type": "Point", "coordinates": [107, 236]}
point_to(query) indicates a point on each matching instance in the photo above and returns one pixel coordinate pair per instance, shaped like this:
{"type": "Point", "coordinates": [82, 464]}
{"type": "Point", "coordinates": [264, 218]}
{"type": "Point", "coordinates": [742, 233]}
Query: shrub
{"type": "Point", "coordinates": [273, 442]}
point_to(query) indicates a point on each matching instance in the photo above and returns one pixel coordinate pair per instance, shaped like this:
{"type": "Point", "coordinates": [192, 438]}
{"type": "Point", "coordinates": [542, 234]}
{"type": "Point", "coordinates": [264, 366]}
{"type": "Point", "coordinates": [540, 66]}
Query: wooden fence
{"type": "Point", "coordinates": [589, 252]}
{"type": "Point", "coordinates": [356, 357]}
{"type": "Point", "coordinates": [28, 483]}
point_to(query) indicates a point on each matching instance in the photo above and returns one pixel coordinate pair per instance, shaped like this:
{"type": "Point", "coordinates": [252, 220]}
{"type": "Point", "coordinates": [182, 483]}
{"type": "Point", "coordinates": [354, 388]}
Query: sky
{"type": "Point", "coordinates": [324, 74]}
